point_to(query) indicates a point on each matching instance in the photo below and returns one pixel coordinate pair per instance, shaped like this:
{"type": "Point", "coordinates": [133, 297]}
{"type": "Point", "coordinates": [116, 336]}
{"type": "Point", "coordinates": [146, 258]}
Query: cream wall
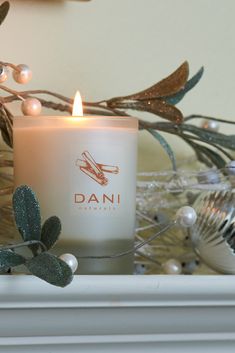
{"type": "Point", "coordinates": [113, 47]}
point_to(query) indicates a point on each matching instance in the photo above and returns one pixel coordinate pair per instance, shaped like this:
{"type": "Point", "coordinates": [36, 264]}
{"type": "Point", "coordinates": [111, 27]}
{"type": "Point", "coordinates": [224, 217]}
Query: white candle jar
{"type": "Point", "coordinates": [83, 170]}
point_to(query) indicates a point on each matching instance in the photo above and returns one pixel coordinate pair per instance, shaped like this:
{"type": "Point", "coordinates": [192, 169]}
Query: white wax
{"type": "Point", "coordinates": [98, 218]}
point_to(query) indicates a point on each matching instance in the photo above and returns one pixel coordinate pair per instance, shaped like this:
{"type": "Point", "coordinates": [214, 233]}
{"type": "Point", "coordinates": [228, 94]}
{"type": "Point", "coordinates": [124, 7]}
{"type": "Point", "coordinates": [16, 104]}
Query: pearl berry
{"type": "Point", "coordinates": [31, 106]}
{"type": "Point", "coordinates": [186, 216]}
{"type": "Point", "coordinates": [70, 260]}
{"type": "Point", "coordinates": [24, 74]}
{"type": "Point", "coordinates": [172, 267]}
{"type": "Point", "coordinates": [211, 125]}
{"type": "Point", "coordinates": [3, 74]}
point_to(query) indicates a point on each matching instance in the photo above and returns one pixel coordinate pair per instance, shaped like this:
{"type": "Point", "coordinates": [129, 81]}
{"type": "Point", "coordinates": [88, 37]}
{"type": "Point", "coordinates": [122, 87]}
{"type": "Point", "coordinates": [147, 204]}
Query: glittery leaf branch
{"type": "Point", "coordinates": [4, 8]}
{"type": "Point", "coordinates": [6, 123]}
{"type": "Point", "coordinates": [38, 240]}
{"type": "Point", "coordinates": [154, 98]}
{"type": "Point", "coordinates": [176, 98]}
{"type": "Point", "coordinates": [158, 99]}
{"type": "Point", "coordinates": [166, 87]}
{"type": "Point", "coordinates": [165, 145]}
{"type": "Point", "coordinates": [207, 156]}
{"type": "Point", "coordinates": [218, 143]}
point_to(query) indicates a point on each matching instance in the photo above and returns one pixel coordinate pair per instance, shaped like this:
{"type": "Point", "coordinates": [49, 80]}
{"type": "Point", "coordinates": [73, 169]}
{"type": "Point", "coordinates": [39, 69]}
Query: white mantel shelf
{"type": "Point", "coordinates": [118, 314]}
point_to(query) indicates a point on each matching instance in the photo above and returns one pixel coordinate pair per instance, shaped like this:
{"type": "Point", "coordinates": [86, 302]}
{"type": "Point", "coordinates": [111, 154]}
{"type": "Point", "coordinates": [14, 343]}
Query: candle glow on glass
{"type": "Point", "coordinates": [77, 105]}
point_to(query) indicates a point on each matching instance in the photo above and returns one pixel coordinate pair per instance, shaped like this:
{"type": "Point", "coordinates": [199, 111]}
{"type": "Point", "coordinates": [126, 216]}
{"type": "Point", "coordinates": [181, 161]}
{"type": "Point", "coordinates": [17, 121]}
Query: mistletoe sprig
{"type": "Point", "coordinates": [39, 240]}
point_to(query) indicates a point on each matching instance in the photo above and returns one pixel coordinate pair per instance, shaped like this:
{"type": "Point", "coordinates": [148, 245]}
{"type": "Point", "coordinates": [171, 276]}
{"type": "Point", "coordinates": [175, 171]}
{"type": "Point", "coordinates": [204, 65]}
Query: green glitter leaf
{"type": "Point", "coordinates": [10, 259]}
{"type": "Point", "coordinates": [226, 141]}
{"type": "Point", "coordinates": [214, 157]}
{"type": "Point", "coordinates": [27, 213]}
{"type": "Point", "coordinates": [176, 98]}
{"type": "Point", "coordinates": [165, 145]}
{"type": "Point", "coordinates": [4, 8]}
{"type": "Point", "coordinates": [50, 231]}
{"type": "Point", "coordinates": [50, 269]}
{"type": "Point", "coordinates": [207, 156]}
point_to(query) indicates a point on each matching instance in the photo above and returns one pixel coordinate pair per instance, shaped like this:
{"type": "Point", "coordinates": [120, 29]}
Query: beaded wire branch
{"type": "Point", "coordinates": [210, 146]}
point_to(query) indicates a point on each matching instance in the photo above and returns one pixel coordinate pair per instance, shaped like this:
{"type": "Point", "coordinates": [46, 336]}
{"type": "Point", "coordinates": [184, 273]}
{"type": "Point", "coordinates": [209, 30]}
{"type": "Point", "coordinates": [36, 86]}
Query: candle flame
{"type": "Point", "coordinates": [77, 105]}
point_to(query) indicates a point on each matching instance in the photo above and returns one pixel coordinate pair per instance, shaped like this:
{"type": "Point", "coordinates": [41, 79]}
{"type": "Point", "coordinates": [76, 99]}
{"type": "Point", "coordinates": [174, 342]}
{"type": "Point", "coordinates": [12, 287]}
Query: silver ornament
{"type": "Point", "coordinates": [23, 74]}
{"type": "Point", "coordinates": [31, 107]}
{"type": "Point", "coordinates": [213, 235]}
{"type": "Point", "coordinates": [186, 216]}
{"type": "Point", "coordinates": [70, 260]}
{"type": "Point", "coordinates": [3, 74]}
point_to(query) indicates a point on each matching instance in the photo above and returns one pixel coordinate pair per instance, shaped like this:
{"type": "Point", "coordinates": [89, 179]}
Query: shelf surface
{"type": "Point", "coordinates": [113, 313]}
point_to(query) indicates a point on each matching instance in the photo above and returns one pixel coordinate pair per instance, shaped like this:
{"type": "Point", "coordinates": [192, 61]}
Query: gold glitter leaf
{"type": "Point", "coordinates": [162, 109]}
{"type": "Point", "coordinates": [6, 125]}
{"type": "Point", "coordinates": [4, 8]}
{"type": "Point", "coordinates": [166, 87]}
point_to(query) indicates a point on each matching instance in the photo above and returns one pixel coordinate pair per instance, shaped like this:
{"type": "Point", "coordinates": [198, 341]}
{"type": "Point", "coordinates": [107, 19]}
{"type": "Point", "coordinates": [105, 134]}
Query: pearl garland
{"type": "Point", "coordinates": [186, 216]}
{"type": "Point", "coordinates": [31, 107]}
{"type": "Point", "coordinates": [70, 260]}
{"type": "Point", "coordinates": [211, 125]}
{"type": "Point", "coordinates": [172, 267]}
{"type": "Point", "coordinates": [24, 74]}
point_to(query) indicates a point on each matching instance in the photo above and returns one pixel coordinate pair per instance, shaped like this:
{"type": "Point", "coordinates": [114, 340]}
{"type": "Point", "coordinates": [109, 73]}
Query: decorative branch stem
{"type": "Point", "coordinates": [14, 67]}
{"type": "Point", "coordinates": [198, 116]}
{"type": "Point", "coordinates": [26, 243]}
{"type": "Point", "coordinates": [15, 95]}
{"type": "Point", "coordinates": [13, 92]}
{"type": "Point", "coordinates": [132, 250]}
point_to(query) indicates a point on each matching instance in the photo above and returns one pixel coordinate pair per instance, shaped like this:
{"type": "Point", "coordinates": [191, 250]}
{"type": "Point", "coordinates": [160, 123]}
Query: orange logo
{"type": "Point", "coordinates": [94, 170]}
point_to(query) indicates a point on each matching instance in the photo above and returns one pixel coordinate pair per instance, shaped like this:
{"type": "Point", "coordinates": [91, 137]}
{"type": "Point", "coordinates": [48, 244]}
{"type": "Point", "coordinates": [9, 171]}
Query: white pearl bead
{"type": "Point", "coordinates": [186, 216]}
{"type": "Point", "coordinates": [172, 267]}
{"type": "Point", "coordinates": [24, 75]}
{"type": "Point", "coordinates": [3, 74]}
{"type": "Point", "coordinates": [211, 125]}
{"type": "Point", "coordinates": [231, 168]}
{"type": "Point", "coordinates": [31, 106]}
{"type": "Point", "coordinates": [70, 260]}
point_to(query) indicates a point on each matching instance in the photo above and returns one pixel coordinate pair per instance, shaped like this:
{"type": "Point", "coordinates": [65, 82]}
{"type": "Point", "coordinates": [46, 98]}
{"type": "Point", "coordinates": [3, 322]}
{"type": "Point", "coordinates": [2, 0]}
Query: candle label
{"type": "Point", "coordinates": [96, 183]}
{"type": "Point", "coordinates": [94, 170]}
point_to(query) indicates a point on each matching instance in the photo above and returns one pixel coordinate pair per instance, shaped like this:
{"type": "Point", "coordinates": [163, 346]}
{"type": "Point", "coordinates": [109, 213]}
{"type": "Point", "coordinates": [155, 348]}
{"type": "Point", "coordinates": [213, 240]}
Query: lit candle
{"type": "Point", "coordinates": [83, 170]}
